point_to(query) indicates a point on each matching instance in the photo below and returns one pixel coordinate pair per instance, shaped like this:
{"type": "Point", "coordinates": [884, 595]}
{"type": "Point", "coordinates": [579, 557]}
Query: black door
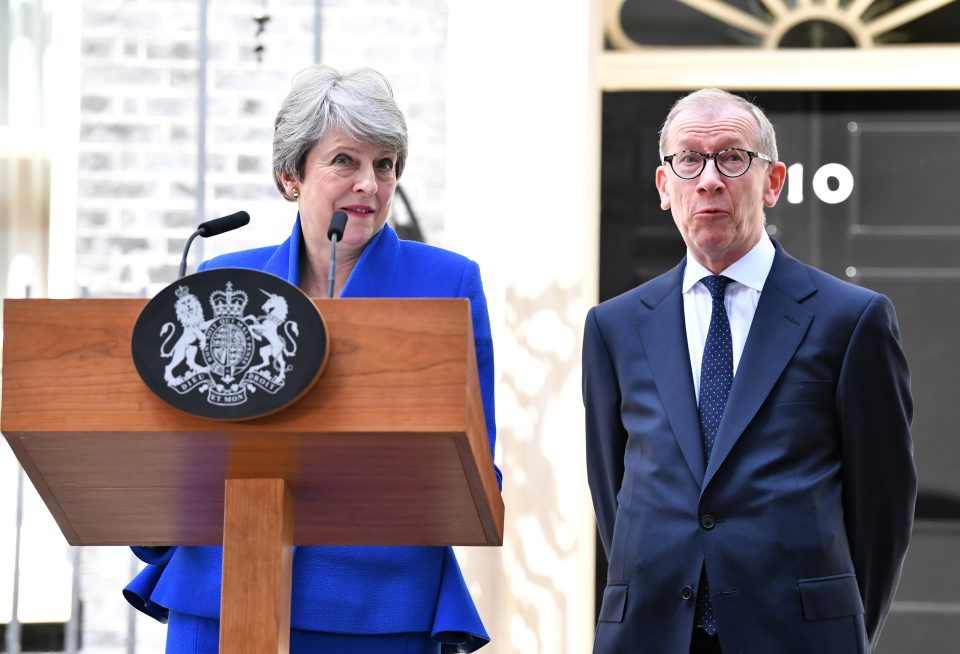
{"type": "Point", "coordinates": [873, 197]}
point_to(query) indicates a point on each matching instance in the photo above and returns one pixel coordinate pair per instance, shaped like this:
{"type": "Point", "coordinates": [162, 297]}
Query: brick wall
{"type": "Point", "coordinates": [138, 135]}
{"type": "Point", "coordinates": [138, 147]}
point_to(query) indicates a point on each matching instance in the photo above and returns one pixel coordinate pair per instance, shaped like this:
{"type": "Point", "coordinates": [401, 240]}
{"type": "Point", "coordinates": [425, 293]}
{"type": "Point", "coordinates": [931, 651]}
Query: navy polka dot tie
{"type": "Point", "coordinates": [716, 370]}
{"type": "Point", "coordinates": [716, 377]}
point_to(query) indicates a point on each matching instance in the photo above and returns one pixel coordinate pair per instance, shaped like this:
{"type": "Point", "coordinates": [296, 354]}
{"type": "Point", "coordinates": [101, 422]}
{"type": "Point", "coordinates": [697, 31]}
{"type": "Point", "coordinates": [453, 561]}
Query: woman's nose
{"type": "Point", "coordinates": [365, 181]}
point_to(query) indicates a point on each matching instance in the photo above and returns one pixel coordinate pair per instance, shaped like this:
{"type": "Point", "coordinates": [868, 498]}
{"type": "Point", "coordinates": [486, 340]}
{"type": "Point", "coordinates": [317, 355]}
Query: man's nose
{"type": "Point", "coordinates": [710, 179]}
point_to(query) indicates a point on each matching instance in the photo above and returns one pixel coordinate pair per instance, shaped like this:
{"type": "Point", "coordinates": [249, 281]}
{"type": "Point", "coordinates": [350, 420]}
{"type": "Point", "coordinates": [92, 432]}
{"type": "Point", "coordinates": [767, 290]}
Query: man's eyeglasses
{"type": "Point", "coordinates": [732, 162]}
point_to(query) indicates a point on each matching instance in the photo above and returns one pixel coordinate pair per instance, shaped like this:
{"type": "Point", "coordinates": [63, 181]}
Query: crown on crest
{"type": "Point", "coordinates": [182, 291]}
{"type": "Point", "coordinates": [228, 303]}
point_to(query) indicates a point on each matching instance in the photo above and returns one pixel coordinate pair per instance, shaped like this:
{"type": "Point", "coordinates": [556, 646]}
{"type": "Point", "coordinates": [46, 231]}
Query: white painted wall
{"type": "Point", "coordinates": [522, 179]}
{"type": "Point", "coordinates": [503, 115]}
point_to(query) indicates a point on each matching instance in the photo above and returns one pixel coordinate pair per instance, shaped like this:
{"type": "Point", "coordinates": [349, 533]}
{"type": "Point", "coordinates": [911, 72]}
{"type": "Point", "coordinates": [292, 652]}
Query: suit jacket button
{"type": "Point", "coordinates": [707, 521]}
{"type": "Point", "coordinates": [686, 593]}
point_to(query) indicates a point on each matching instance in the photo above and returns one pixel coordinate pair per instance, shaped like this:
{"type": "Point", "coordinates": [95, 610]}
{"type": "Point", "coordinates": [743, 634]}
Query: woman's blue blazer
{"type": "Point", "coordinates": [351, 590]}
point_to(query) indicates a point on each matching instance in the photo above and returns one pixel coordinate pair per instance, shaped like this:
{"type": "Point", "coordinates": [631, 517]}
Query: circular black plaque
{"type": "Point", "coordinates": [230, 344]}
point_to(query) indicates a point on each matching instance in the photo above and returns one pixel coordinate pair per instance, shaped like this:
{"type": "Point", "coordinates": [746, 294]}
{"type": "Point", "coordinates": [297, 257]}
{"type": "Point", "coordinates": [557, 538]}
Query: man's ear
{"type": "Point", "coordinates": [776, 178]}
{"type": "Point", "coordinates": [662, 188]}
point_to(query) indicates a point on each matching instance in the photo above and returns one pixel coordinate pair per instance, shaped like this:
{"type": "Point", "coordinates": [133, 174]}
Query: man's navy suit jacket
{"type": "Point", "coordinates": [803, 513]}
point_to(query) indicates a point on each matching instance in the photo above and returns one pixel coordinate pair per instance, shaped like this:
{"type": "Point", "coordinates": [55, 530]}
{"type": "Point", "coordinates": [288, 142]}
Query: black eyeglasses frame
{"type": "Point", "coordinates": [668, 159]}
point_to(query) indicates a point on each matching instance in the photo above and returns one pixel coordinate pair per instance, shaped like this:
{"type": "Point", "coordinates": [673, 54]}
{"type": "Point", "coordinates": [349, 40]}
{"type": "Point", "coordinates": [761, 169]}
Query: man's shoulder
{"type": "Point", "coordinates": [834, 284]}
{"type": "Point", "coordinates": [649, 293]}
{"type": "Point", "coordinates": [788, 270]}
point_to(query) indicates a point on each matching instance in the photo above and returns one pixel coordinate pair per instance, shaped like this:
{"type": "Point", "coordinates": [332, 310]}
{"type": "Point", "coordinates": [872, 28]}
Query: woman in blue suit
{"type": "Point", "coordinates": [340, 143]}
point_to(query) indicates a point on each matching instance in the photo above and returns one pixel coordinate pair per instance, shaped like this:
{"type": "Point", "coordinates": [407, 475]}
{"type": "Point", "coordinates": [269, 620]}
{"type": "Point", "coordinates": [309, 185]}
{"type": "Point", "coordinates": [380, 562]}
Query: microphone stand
{"type": "Point", "coordinates": [212, 228]}
{"type": "Point", "coordinates": [338, 223]}
{"type": "Point", "coordinates": [186, 249]}
{"type": "Point", "coordinates": [333, 262]}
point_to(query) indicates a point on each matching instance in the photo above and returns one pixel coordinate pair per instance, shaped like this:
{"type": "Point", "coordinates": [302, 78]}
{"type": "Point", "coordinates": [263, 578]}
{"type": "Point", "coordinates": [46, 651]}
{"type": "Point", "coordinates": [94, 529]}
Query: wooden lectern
{"type": "Point", "coordinates": [389, 448]}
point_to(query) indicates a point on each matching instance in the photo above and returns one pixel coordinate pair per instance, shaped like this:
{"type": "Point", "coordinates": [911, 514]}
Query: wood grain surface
{"type": "Point", "coordinates": [389, 447]}
{"type": "Point", "coordinates": [257, 567]}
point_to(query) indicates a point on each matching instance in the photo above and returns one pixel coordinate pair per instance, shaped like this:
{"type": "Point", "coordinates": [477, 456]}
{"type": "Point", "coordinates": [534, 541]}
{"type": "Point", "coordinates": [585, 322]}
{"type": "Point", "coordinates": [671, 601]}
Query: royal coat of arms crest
{"type": "Point", "coordinates": [227, 344]}
{"type": "Point", "coordinates": [224, 352]}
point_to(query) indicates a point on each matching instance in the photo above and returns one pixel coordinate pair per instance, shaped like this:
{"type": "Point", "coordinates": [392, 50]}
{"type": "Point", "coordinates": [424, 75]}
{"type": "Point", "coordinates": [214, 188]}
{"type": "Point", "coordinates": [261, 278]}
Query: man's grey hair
{"type": "Point", "coordinates": [712, 101]}
{"type": "Point", "coordinates": [359, 103]}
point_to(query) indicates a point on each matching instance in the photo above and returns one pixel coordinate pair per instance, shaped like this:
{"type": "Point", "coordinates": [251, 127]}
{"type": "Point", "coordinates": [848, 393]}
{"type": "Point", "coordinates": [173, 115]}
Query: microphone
{"type": "Point", "coordinates": [225, 224]}
{"type": "Point", "coordinates": [212, 228]}
{"type": "Point", "coordinates": [338, 223]}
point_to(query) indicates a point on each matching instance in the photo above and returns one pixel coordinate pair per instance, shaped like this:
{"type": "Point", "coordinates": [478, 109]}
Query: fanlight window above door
{"type": "Point", "coordinates": [771, 24]}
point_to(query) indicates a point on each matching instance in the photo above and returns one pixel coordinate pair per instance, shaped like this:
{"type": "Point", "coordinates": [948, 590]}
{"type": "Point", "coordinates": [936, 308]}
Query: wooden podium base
{"type": "Point", "coordinates": [257, 567]}
{"type": "Point", "coordinates": [116, 466]}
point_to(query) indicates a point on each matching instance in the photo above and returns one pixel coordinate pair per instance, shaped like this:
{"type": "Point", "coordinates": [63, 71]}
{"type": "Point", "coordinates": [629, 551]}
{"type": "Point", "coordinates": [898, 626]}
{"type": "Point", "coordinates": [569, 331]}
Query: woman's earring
{"type": "Point", "coordinates": [296, 193]}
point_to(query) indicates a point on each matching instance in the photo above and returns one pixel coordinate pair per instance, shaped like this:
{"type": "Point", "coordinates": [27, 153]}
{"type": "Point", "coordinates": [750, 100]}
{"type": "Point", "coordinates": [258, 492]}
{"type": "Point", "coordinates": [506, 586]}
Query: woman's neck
{"type": "Point", "coordinates": [315, 269]}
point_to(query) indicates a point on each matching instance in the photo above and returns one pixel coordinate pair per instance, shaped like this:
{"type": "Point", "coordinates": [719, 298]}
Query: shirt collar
{"type": "Point", "coordinates": [751, 269]}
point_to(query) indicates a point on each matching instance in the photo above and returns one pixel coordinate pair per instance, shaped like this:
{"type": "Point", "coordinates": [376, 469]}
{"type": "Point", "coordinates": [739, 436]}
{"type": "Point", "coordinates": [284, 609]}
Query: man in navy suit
{"type": "Point", "coordinates": [748, 423]}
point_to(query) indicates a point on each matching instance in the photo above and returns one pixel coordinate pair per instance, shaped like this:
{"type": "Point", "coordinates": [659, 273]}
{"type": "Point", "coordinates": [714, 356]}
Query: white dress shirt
{"type": "Point", "coordinates": [748, 274]}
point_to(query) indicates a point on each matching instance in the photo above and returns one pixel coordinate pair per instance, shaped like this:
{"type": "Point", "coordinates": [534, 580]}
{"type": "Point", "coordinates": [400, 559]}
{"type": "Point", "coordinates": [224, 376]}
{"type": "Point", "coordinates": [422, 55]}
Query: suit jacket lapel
{"type": "Point", "coordinates": [663, 334]}
{"type": "Point", "coordinates": [372, 276]}
{"type": "Point", "coordinates": [285, 261]}
{"type": "Point", "coordinates": [375, 271]}
{"type": "Point", "coordinates": [778, 327]}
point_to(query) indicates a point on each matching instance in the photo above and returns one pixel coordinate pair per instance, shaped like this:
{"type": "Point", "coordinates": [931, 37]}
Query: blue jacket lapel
{"type": "Point", "coordinates": [285, 261]}
{"type": "Point", "coordinates": [371, 277]}
{"type": "Point", "coordinates": [778, 327]}
{"type": "Point", "coordinates": [663, 334]}
{"type": "Point", "coordinates": [375, 272]}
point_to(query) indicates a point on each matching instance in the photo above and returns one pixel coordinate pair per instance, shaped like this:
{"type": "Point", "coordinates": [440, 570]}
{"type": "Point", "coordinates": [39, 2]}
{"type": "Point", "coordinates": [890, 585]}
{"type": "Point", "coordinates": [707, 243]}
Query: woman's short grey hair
{"type": "Point", "coordinates": [710, 102]}
{"type": "Point", "coordinates": [359, 103]}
